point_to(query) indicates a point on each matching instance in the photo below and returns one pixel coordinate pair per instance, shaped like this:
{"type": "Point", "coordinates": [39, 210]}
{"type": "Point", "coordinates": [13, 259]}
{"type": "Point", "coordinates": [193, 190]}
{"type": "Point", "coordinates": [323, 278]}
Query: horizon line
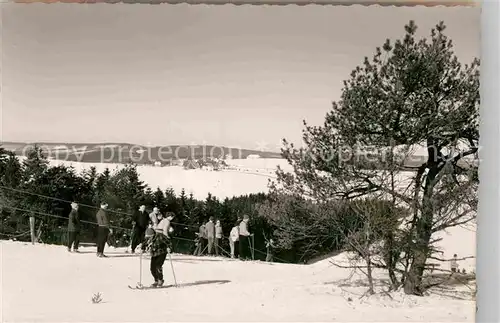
{"type": "Point", "coordinates": [48, 142]}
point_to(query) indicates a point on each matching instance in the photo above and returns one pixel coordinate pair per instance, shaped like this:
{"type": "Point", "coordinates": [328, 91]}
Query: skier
{"type": "Point", "coordinates": [103, 230]}
{"type": "Point", "coordinates": [218, 237]}
{"type": "Point", "coordinates": [159, 246]}
{"type": "Point", "coordinates": [244, 238]}
{"type": "Point", "coordinates": [141, 219]}
{"type": "Point", "coordinates": [234, 236]}
{"type": "Point", "coordinates": [73, 228]}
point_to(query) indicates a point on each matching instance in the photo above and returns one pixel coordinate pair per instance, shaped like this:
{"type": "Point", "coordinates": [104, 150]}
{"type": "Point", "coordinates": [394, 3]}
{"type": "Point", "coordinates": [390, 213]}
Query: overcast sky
{"type": "Point", "coordinates": [181, 74]}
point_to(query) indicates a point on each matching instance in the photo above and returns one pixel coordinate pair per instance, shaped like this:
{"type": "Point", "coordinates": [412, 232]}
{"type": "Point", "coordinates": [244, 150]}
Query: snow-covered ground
{"type": "Point", "coordinates": [245, 176]}
{"type": "Point", "coordinates": [44, 283]}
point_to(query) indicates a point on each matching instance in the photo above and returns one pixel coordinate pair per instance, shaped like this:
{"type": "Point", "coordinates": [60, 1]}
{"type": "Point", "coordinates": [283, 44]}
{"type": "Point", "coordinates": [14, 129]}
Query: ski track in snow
{"type": "Point", "coordinates": [45, 283]}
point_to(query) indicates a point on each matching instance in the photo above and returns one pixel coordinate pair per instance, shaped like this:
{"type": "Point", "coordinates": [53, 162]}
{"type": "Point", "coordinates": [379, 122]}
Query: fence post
{"type": "Point", "coordinates": [32, 229]}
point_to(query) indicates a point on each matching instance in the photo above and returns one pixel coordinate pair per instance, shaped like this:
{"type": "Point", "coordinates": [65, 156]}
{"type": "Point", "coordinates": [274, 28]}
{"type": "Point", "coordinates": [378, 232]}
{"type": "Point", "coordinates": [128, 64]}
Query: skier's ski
{"type": "Point", "coordinates": [149, 287]}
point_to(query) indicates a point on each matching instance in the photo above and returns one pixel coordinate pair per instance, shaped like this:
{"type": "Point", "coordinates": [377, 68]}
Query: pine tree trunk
{"type": "Point", "coordinates": [392, 254]}
{"type": "Point", "coordinates": [369, 273]}
{"type": "Point", "coordinates": [413, 281]}
{"type": "Point", "coordinates": [391, 260]}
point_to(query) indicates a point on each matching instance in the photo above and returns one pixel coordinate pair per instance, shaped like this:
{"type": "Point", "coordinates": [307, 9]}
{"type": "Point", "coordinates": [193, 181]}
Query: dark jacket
{"type": "Point", "coordinates": [102, 218]}
{"type": "Point", "coordinates": [141, 219]}
{"type": "Point", "coordinates": [74, 221]}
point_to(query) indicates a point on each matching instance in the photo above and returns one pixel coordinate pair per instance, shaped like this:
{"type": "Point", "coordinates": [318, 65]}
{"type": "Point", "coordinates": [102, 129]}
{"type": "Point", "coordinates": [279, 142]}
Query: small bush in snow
{"type": "Point", "coordinates": [97, 298]}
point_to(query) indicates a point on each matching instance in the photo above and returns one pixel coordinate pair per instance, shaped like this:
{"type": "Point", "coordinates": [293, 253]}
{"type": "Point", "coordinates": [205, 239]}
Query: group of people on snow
{"type": "Point", "coordinates": [152, 231]}
{"type": "Point", "coordinates": [209, 238]}
{"type": "Point", "coordinates": [74, 228]}
{"type": "Point", "coordinates": [143, 220]}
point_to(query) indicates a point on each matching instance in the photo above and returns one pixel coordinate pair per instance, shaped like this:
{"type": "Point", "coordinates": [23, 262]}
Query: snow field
{"type": "Point", "coordinates": [45, 283]}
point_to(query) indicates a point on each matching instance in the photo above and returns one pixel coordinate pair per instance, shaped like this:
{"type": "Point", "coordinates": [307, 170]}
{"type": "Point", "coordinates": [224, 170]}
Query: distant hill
{"type": "Point", "coordinates": [144, 155]}
{"type": "Point", "coordinates": [126, 153]}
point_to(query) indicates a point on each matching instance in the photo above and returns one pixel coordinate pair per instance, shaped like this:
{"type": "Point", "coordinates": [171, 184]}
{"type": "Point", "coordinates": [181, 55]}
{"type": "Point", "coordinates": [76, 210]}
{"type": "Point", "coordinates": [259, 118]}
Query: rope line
{"type": "Point", "coordinates": [58, 216]}
{"type": "Point", "coordinates": [15, 235]}
{"type": "Point", "coordinates": [81, 204]}
{"type": "Point", "coordinates": [88, 222]}
{"type": "Point", "coordinates": [116, 227]}
{"type": "Point", "coordinates": [90, 206]}
{"type": "Point", "coordinates": [95, 223]}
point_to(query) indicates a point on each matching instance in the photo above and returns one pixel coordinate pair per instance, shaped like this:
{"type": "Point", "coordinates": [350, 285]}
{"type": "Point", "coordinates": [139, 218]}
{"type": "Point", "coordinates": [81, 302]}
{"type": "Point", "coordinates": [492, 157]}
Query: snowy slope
{"type": "Point", "coordinates": [44, 283]}
{"type": "Point", "coordinates": [244, 177]}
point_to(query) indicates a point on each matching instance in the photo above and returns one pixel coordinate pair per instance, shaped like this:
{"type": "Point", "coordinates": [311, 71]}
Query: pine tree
{"type": "Point", "coordinates": [35, 164]}
{"type": "Point", "coordinates": [412, 92]}
{"type": "Point", "coordinates": [183, 202]}
{"type": "Point", "coordinates": [100, 187]}
{"type": "Point", "coordinates": [159, 200]}
{"type": "Point", "coordinates": [171, 201]}
{"type": "Point", "coordinates": [10, 169]}
{"type": "Point", "coordinates": [10, 177]}
{"type": "Point", "coordinates": [148, 198]}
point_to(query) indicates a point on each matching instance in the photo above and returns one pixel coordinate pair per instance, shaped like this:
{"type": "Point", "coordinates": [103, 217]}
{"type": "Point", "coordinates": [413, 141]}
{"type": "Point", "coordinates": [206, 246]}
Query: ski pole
{"type": "Point", "coordinates": [173, 271]}
{"type": "Point", "coordinates": [140, 269]}
{"type": "Point", "coordinates": [132, 237]}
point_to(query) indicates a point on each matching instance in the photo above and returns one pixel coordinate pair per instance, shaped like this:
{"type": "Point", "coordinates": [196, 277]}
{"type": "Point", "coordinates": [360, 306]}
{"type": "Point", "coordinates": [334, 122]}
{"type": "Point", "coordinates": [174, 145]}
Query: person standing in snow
{"type": "Point", "coordinates": [210, 229]}
{"type": "Point", "coordinates": [244, 238]}
{"type": "Point", "coordinates": [73, 228]}
{"type": "Point", "coordinates": [160, 246]}
{"type": "Point", "coordinates": [203, 238]}
{"type": "Point", "coordinates": [141, 220]}
{"type": "Point", "coordinates": [104, 230]}
{"type": "Point", "coordinates": [197, 245]}
{"type": "Point", "coordinates": [218, 237]}
{"type": "Point", "coordinates": [454, 264]}
{"type": "Point", "coordinates": [199, 240]}
{"type": "Point", "coordinates": [270, 250]}
{"type": "Point", "coordinates": [237, 243]}
{"type": "Point", "coordinates": [234, 236]}
{"type": "Point", "coordinates": [155, 217]}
